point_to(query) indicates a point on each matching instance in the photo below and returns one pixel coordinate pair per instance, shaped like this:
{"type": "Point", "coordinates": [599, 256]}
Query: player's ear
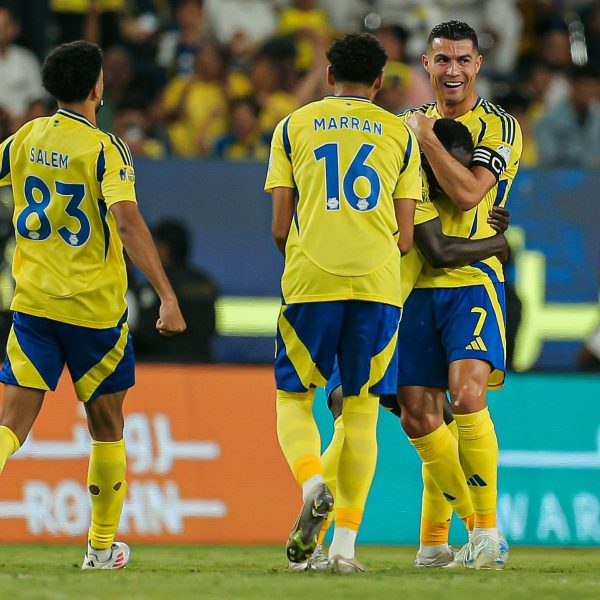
{"type": "Point", "coordinates": [378, 81]}
{"type": "Point", "coordinates": [478, 63]}
{"type": "Point", "coordinates": [425, 62]}
{"type": "Point", "coordinates": [330, 77]}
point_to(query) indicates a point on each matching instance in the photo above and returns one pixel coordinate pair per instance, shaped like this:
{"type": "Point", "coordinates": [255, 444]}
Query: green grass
{"type": "Point", "coordinates": [178, 572]}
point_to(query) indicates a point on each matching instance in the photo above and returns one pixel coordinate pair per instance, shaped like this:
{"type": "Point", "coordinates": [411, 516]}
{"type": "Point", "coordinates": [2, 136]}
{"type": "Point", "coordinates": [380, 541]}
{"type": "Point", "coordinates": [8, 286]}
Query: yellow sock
{"type": "Point", "coordinates": [9, 444]}
{"type": "Point", "coordinates": [330, 460]}
{"type": "Point", "coordinates": [479, 458]}
{"type": "Point", "coordinates": [358, 458]}
{"type": "Point", "coordinates": [298, 434]}
{"type": "Point", "coordinates": [107, 487]}
{"type": "Point", "coordinates": [436, 511]}
{"type": "Point", "coordinates": [439, 452]}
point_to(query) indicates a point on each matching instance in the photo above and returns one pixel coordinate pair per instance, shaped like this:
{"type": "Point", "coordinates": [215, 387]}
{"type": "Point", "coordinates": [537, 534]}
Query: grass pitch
{"type": "Point", "coordinates": [180, 572]}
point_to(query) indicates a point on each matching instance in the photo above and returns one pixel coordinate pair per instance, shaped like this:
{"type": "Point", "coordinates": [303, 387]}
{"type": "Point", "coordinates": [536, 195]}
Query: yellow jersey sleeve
{"type": "Point", "coordinates": [5, 178]}
{"type": "Point", "coordinates": [117, 173]}
{"type": "Point", "coordinates": [409, 179]}
{"type": "Point", "coordinates": [279, 171]}
{"type": "Point", "coordinates": [500, 144]}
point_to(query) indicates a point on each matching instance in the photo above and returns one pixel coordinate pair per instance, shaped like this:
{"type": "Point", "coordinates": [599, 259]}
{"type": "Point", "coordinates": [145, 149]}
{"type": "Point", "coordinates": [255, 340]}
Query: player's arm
{"type": "Point", "coordinates": [444, 251]}
{"type": "Point", "coordinates": [117, 177]}
{"type": "Point", "coordinates": [284, 201]}
{"type": "Point", "coordinates": [5, 178]}
{"type": "Point", "coordinates": [407, 192]}
{"type": "Point", "coordinates": [465, 187]}
{"type": "Point", "coordinates": [140, 247]}
{"type": "Point", "coordinates": [405, 217]}
{"type": "Point", "coordinates": [280, 182]}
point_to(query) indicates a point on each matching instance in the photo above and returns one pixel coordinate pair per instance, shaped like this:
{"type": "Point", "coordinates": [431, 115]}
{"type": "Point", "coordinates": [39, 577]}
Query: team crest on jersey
{"type": "Point", "coordinates": [504, 152]}
{"type": "Point", "coordinates": [127, 174]}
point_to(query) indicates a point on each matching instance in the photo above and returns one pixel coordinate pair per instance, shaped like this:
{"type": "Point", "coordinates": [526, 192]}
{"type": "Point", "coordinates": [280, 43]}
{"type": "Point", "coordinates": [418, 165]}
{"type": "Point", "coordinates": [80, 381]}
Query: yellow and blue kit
{"type": "Point", "coordinates": [348, 160]}
{"type": "Point", "coordinates": [69, 270]}
{"type": "Point", "coordinates": [458, 313]}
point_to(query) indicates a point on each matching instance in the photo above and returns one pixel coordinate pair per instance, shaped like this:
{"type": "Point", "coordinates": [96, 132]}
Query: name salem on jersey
{"type": "Point", "coordinates": [345, 122]}
{"type": "Point", "coordinates": [56, 160]}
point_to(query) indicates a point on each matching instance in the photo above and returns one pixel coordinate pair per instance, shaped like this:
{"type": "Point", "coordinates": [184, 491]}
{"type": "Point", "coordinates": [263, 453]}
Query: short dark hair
{"type": "Point", "coordinates": [357, 58]}
{"type": "Point", "coordinates": [457, 140]}
{"type": "Point", "coordinates": [455, 31]}
{"type": "Point", "coordinates": [454, 136]}
{"type": "Point", "coordinates": [71, 70]}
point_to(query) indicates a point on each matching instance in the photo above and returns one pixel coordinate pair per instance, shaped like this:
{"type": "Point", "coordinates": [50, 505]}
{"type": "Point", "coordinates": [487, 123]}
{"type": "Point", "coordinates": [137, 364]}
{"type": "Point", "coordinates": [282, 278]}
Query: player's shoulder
{"type": "Point", "coordinates": [113, 143]}
{"type": "Point", "coordinates": [497, 120]}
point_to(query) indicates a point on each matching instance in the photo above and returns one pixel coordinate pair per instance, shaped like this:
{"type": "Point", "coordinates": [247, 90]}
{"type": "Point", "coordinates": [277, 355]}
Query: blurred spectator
{"type": "Point", "coordinates": [119, 86]}
{"type": "Point", "coordinates": [177, 49]}
{"type": "Point", "coordinates": [194, 108]}
{"type": "Point", "coordinates": [347, 16]}
{"type": "Point", "coordinates": [555, 50]}
{"type": "Point", "coordinates": [93, 20]}
{"type": "Point", "coordinates": [19, 73]}
{"type": "Point", "coordinates": [132, 125]}
{"type": "Point", "coordinates": [196, 294]}
{"type": "Point", "coordinates": [410, 84]}
{"type": "Point", "coordinates": [590, 17]}
{"type": "Point", "coordinates": [245, 140]}
{"type": "Point", "coordinates": [305, 21]}
{"type": "Point", "coordinates": [241, 25]}
{"type": "Point", "coordinates": [568, 135]}
{"type": "Point", "coordinates": [519, 106]}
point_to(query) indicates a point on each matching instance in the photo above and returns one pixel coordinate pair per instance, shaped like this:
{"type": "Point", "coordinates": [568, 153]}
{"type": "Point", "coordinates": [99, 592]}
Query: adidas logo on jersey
{"type": "Point", "coordinates": [476, 344]}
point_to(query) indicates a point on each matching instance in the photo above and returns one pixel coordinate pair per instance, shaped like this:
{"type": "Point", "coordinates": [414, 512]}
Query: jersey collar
{"type": "Point", "coordinates": [359, 98]}
{"type": "Point", "coordinates": [477, 103]}
{"type": "Point", "coordinates": [72, 114]}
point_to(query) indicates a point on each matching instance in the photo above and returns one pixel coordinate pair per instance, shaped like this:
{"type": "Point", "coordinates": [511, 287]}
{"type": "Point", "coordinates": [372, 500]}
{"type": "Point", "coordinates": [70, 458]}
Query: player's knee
{"type": "Point", "coordinates": [419, 422]}
{"type": "Point", "coordinates": [468, 397]}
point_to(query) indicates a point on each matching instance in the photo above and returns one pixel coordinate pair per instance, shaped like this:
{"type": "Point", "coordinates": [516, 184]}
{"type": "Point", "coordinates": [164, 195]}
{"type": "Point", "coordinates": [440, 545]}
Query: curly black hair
{"type": "Point", "coordinates": [357, 58]}
{"type": "Point", "coordinates": [455, 31]}
{"type": "Point", "coordinates": [71, 70]}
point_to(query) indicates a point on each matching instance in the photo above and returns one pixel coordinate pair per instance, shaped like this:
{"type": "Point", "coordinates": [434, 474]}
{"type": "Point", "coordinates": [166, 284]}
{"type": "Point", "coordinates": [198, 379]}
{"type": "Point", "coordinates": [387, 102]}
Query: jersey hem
{"type": "Point", "coordinates": [339, 297]}
{"type": "Point", "coordinates": [62, 319]}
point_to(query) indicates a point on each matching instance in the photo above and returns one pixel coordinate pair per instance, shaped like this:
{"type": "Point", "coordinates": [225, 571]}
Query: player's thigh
{"type": "Point", "coordinates": [100, 361]}
{"type": "Point", "coordinates": [421, 356]}
{"type": "Point", "coordinates": [472, 326]}
{"type": "Point", "coordinates": [34, 358]}
{"type": "Point", "coordinates": [306, 344]}
{"type": "Point", "coordinates": [368, 348]}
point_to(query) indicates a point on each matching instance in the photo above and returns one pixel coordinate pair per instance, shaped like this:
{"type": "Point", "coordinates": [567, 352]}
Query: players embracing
{"type": "Point", "coordinates": [454, 320]}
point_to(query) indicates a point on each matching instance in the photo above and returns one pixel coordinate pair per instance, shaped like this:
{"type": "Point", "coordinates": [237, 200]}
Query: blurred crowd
{"type": "Point", "coordinates": [211, 78]}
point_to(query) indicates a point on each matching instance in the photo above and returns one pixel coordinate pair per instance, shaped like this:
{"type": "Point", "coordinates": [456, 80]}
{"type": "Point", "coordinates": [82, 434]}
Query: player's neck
{"type": "Point", "coordinates": [454, 111]}
{"type": "Point", "coordinates": [85, 109]}
{"type": "Point", "coordinates": [352, 89]}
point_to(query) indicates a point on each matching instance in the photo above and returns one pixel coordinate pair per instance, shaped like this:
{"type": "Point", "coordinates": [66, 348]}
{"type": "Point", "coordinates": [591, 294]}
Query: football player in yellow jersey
{"type": "Point", "coordinates": [345, 177]}
{"type": "Point", "coordinates": [75, 210]}
{"type": "Point", "coordinates": [442, 251]}
{"type": "Point", "coordinates": [454, 319]}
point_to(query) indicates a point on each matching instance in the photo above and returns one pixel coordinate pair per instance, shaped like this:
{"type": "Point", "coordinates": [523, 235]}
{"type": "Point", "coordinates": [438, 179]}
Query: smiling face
{"type": "Point", "coordinates": [453, 67]}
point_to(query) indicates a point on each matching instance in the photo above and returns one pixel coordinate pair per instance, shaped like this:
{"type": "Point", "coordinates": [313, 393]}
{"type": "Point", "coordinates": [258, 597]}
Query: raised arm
{"type": "Point", "coordinates": [465, 187]}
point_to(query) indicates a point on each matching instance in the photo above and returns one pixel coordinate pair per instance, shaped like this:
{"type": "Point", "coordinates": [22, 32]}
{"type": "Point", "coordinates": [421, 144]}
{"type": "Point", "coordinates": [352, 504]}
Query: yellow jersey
{"type": "Point", "coordinates": [68, 263]}
{"type": "Point", "coordinates": [411, 264]}
{"type": "Point", "coordinates": [498, 146]}
{"type": "Point", "coordinates": [348, 159]}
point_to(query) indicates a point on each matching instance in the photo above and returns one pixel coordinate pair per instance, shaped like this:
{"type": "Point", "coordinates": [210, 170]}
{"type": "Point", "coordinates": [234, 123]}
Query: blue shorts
{"type": "Point", "coordinates": [388, 401]}
{"type": "Point", "coordinates": [100, 361]}
{"type": "Point", "coordinates": [361, 335]}
{"type": "Point", "coordinates": [442, 325]}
